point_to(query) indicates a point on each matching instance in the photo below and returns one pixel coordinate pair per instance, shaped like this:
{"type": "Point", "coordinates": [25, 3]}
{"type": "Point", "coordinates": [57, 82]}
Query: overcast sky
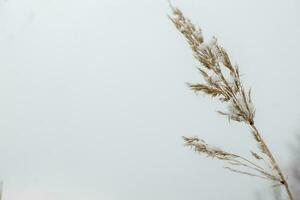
{"type": "Point", "coordinates": [93, 100]}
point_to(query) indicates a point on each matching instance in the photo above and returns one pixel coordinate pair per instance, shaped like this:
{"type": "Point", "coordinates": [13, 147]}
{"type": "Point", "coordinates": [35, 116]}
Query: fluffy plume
{"type": "Point", "coordinates": [222, 81]}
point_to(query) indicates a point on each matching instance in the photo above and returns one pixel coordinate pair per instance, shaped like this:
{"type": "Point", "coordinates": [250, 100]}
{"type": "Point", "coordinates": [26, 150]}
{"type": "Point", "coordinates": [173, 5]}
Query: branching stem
{"type": "Point", "coordinates": [274, 163]}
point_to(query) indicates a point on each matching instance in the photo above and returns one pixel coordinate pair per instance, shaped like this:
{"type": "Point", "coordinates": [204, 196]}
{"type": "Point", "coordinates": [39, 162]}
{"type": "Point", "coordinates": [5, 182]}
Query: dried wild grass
{"type": "Point", "coordinates": [222, 81]}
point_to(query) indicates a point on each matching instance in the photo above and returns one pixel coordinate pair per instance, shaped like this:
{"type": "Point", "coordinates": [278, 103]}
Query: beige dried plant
{"type": "Point", "coordinates": [222, 81]}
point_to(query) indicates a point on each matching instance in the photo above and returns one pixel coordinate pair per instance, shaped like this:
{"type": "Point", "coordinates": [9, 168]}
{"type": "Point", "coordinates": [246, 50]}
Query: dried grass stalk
{"type": "Point", "coordinates": [222, 81]}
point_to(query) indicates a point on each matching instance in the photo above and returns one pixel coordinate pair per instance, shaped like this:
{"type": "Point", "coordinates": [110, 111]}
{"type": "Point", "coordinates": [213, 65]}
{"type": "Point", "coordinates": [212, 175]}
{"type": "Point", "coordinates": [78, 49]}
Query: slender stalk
{"type": "Point", "coordinates": [274, 163]}
{"type": "Point", "coordinates": [248, 161]}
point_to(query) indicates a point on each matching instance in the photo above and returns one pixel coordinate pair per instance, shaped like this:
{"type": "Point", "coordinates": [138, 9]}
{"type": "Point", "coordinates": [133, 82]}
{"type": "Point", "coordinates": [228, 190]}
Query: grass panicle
{"type": "Point", "coordinates": [222, 81]}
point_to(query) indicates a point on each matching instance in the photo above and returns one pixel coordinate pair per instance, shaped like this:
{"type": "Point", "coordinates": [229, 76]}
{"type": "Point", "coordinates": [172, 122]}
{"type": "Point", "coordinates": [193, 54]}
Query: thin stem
{"type": "Point", "coordinates": [245, 159]}
{"type": "Point", "coordinates": [246, 173]}
{"type": "Point", "coordinates": [274, 163]}
{"type": "Point", "coordinates": [256, 168]}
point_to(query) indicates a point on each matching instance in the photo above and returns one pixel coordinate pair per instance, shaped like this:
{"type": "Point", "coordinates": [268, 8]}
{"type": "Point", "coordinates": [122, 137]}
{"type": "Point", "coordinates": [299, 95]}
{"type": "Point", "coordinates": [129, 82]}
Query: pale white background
{"type": "Point", "coordinates": [93, 100]}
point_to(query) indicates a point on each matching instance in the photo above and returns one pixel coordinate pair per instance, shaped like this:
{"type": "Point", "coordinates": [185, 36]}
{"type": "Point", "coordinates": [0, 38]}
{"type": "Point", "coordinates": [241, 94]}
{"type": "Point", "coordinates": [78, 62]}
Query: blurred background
{"type": "Point", "coordinates": [93, 100]}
